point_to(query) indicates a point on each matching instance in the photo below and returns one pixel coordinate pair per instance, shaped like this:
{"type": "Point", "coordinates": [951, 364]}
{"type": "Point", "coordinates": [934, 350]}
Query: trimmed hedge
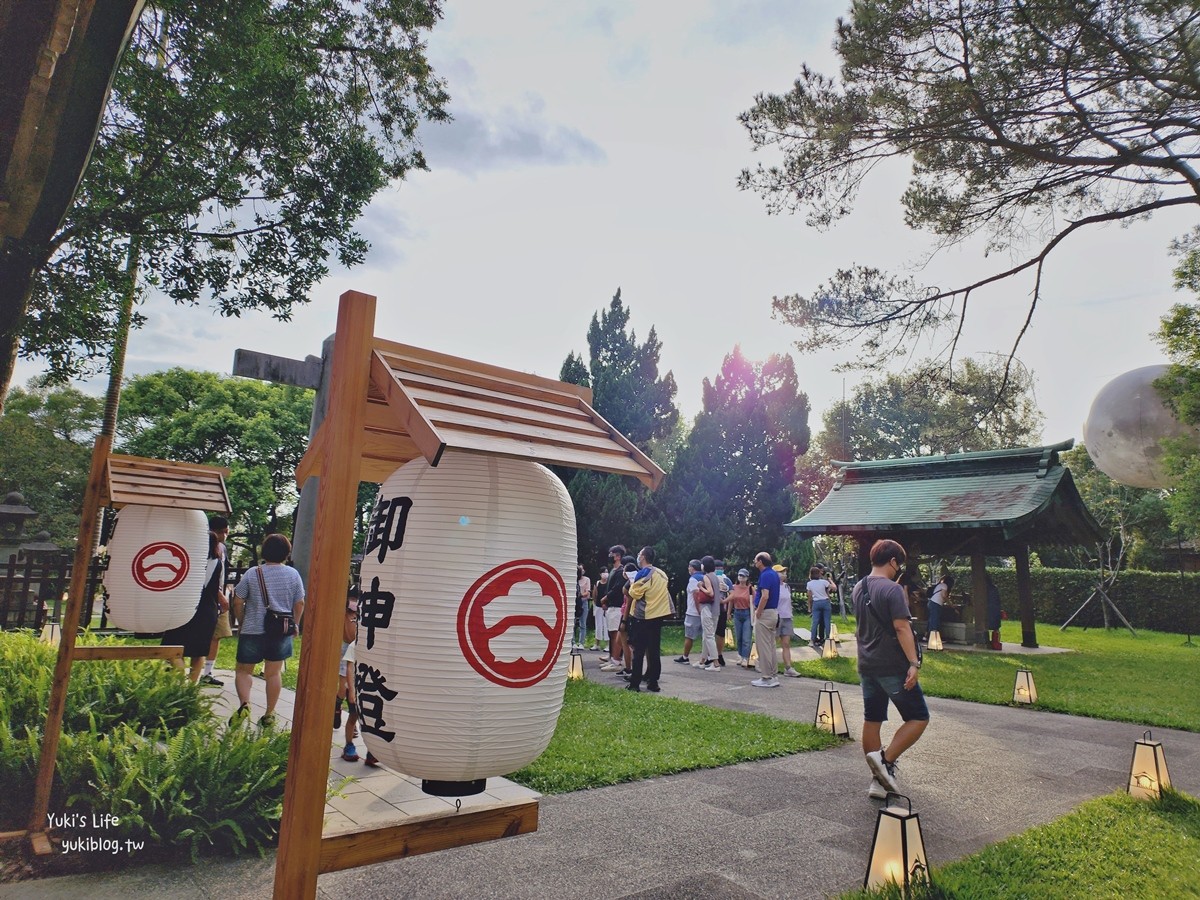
{"type": "Point", "coordinates": [1161, 601]}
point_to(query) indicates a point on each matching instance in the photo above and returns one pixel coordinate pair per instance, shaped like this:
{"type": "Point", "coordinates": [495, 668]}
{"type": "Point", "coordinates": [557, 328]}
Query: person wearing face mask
{"type": "Point", "coordinates": [743, 629]}
{"type": "Point", "coordinates": [888, 665]}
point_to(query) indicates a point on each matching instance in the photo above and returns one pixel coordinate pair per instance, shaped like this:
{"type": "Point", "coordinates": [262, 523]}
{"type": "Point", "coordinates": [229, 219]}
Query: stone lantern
{"type": "Point", "coordinates": [13, 516]}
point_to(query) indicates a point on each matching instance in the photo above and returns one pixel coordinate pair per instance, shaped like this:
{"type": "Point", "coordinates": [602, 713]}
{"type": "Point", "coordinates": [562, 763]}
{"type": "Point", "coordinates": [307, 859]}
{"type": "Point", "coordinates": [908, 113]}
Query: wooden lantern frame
{"type": "Point", "coordinates": [829, 702]}
{"type": "Point", "coordinates": [906, 827]}
{"type": "Point", "coordinates": [114, 480]}
{"type": "Point", "coordinates": [1151, 759]}
{"type": "Point", "coordinates": [1024, 681]}
{"type": "Point", "coordinates": [389, 403]}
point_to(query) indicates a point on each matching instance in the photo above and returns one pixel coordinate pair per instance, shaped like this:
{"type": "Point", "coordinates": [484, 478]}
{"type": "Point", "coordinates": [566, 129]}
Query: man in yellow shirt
{"type": "Point", "coordinates": [649, 607]}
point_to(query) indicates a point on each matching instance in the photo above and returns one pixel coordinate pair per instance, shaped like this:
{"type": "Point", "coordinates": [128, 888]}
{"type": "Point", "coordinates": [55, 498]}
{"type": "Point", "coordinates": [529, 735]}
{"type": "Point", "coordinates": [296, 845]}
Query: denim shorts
{"type": "Point", "coordinates": [693, 627]}
{"type": "Point", "coordinates": [785, 628]}
{"type": "Point", "coordinates": [254, 648]}
{"type": "Point", "coordinates": [878, 689]}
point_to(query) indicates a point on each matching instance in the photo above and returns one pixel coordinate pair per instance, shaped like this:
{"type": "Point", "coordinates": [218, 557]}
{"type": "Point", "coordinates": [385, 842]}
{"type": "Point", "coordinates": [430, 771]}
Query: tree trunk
{"type": "Point", "coordinates": [17, 267]}
{"type": "Point", "coordinates": [116, 369]}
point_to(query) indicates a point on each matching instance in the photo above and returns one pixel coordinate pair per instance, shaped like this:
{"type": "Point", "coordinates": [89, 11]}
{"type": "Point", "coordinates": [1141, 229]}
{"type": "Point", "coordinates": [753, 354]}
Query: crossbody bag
{"type": "Point", "coordinates": [885, 625]}
{"type": "Point", "coordinates": [275, 624]}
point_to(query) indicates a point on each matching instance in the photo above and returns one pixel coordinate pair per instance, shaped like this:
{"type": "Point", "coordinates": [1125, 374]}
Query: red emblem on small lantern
{"type": "Point", "coordinates": [515, 648]}
{"type": "Point", "coordinates": [160, 566]}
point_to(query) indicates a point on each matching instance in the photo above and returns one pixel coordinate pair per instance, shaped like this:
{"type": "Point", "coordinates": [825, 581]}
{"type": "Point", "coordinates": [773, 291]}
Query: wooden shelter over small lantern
{"type": "Point", "coordinates": [989, 503]}
{"type": "Point", "coordinates": [158, 482]}
{"type": "Point", "coordinates": [117, 481]}
{"type": "Point", "coordinates": [388, 404]}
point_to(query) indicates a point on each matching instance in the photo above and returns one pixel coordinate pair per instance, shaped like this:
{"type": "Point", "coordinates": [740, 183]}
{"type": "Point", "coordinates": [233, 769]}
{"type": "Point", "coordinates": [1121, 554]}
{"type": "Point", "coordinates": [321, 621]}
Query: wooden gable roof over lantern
{"type": "Point", "coordinates": [158, 482]}
{"type": "Point", "coordinates": [421, 403]}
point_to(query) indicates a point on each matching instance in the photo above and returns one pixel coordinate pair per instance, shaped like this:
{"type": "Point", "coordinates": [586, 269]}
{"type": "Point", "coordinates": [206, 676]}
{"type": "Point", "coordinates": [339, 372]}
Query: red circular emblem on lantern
{"type": "Point", "coordinates": [542, 637]}
{"type": "Point", "coordinates": [160, 566]}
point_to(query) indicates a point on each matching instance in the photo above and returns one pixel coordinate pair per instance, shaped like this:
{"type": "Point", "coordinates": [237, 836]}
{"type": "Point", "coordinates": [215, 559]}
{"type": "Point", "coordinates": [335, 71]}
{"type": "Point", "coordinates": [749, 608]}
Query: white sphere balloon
{"type": "Point", "coordinates": [462, 619]}
{"type": "Point", "coordinates": [1125, 425]}
{"type": "Point", "coordinates": [156, 566]}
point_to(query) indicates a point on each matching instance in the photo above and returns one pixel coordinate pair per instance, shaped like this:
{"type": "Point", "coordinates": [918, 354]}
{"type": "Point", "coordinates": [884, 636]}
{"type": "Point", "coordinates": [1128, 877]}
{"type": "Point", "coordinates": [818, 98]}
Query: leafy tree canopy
{"type": "Point", "coordinates": [259, 430]}
{"type": "Point", "coordinates": [730, 490]}
{"type": "Point", "coordinates": [983, 405]}
{"type": "Point", "coordinates": [1025, 121]}
{"type": "Point", "coordinates": [1179, 335]}
{"type": "Point", "coordinates": [626, 387]}
{"type": "Point", "coordinates": [45, 453]}
{"type": "Point", "coordinates": [241, 143]}
{"type": "Point", "coordinates": [1136, 523]}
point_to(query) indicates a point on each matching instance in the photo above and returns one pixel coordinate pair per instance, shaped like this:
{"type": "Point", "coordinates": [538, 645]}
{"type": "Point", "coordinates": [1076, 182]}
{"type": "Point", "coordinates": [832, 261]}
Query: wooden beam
{"type": "Point", "coordinates": [146, 463]}
{"type": "Point", "coordinates": [297, 863]}
{"type": "Point", "coordinates": [90, 654]}
{"type": "Point", "coordinates": [408, 414]}
{"type": "Point", "coordinates": [979, 593]}
{"type": "Point", "coordinates": [1025, 597]}
{"type": "Point", "coordinates": [470, 826]}
{"type": "Point", "coordinates": [66, 646]}
{"type": "Point", "coordinates": [40, 841]}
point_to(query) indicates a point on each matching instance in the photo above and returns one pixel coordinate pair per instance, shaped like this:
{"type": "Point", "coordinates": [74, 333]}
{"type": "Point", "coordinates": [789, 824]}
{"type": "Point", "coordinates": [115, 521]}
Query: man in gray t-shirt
{"type": "Point", "coordinates": [888, 665]}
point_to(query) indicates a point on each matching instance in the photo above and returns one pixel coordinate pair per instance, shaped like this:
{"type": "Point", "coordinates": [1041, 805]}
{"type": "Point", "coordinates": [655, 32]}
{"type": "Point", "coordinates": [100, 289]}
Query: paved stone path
{"type": "Point", "coordinates": [794, 827]}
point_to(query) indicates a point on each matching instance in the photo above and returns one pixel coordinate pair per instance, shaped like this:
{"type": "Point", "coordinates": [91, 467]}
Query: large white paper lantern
{"type": "Point", "coordinates": [462, 618]}
{"type": "Point", "coordinates": [156, 567]}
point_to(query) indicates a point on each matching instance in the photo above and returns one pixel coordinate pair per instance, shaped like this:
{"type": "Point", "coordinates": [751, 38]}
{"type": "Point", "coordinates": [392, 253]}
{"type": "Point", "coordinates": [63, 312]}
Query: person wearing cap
{"type": "Point", "coordinates": [740, 600]}
{"type": "Point", "coordinates": [784, 629]}
{"type": "Point", "coordinates": [692, 628]}
{"type": "Point", "coordinates": [766, 621]}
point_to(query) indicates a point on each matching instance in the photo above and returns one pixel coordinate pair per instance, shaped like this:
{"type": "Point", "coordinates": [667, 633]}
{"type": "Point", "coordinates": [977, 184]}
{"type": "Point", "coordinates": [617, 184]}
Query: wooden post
{"type": "Point", "coordinates": [1025, 595]}
{"type": "Point", "coordinates": [66, 646]}
{"type": "Point", "coordinates": [297, 863]}
{"type": "Point", "coordinates": [979, 593]}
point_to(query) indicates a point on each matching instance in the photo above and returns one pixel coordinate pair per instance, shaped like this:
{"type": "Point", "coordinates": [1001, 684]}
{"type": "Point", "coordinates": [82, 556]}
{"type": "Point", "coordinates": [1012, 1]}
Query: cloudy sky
{"type": "Point", "coordinates": [596, 146]}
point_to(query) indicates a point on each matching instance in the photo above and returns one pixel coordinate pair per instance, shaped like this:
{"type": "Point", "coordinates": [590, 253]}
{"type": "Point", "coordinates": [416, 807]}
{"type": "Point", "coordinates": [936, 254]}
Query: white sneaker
{"type": "Point", "coordinates": [712, 667]}
{"type": "Point", "coordinates": [765, 682]}
{"type": "Point", "coordinates": [884, 772]}
{"type": "Point", "coordinates": [877, 791]}
{"type": "Point", "coordinates": [612, 667]}
{"type": "Point", "coordinates": [791, 673]}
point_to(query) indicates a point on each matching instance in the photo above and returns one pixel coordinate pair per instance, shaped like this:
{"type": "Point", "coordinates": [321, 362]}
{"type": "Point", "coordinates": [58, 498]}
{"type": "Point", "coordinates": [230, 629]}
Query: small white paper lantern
{"type": "Point", "coordinates": [156, 558]}
{"type": "Point", "coordinates": [898, 851]}
{"type": "Point", "coordinates": [830, 716]}
{"type": "Point", "coordinates": [575, 667]}
{"type": "Point", "coordinates": [830, 649]}
{"type": "Point", "coordinates": [1148, 773]}
{"type": "Point", "coordinates": [463, 616]}
{"type": "Point", "coordinates": [1024, 690]}
{"type": "Point", "coordinates": [935, 640]}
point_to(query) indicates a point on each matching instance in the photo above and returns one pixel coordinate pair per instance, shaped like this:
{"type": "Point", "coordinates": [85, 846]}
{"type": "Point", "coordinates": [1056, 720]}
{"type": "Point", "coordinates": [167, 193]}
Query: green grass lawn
{"type": "Point", "coordinates": [1113, 846]}
{"type": "Point", "coordinates": [607, 735]}
{"type": "Point", "coordinates": [1146, 680]}
{"type": "Point", "coordinates": [1149, 679]}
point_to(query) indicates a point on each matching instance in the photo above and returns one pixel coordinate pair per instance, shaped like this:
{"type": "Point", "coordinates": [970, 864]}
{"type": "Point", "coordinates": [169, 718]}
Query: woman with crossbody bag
{"type": "Point", "coordinates": [706, 602]}
{"type": "Point", "coordinates": [269, 601]}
